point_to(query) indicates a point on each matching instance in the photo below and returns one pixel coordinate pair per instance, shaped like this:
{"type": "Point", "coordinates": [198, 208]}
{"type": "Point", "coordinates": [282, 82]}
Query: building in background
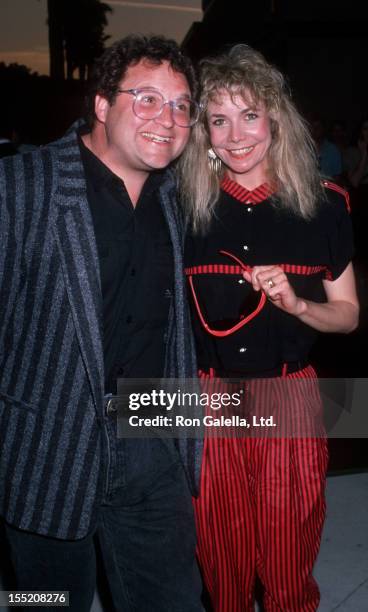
{"type": "Point", "coordinates": [321, 45]}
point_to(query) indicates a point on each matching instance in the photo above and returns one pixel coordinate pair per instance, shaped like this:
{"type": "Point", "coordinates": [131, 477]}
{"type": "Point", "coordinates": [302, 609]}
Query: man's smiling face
{"type": "Point", "coordinates": [142, 145]}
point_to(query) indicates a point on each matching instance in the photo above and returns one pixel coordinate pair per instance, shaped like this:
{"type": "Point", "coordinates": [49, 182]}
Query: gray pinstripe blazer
{"type": "Point", "coordinates": [51, 359]}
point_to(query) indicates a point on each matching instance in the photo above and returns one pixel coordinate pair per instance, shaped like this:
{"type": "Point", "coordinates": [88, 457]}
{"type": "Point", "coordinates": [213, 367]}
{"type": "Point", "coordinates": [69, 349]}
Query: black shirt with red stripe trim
{"type": "Point", "coordinates": [257, 230]}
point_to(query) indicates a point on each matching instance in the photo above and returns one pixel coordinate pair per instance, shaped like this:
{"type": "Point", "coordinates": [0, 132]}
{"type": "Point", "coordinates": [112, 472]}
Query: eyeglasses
{"type": "Point", "coordinates": [149, 103]}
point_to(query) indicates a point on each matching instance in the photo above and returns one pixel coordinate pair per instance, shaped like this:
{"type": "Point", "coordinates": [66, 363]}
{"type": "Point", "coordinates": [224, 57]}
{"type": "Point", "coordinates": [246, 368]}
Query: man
{"type": "Point", "coordinates": [91, 276]}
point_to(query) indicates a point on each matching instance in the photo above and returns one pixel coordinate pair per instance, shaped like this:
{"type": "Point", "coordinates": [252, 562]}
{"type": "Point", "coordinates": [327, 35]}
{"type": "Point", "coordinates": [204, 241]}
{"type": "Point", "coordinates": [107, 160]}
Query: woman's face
{"type": "Point", "coordinates": [240, 135]}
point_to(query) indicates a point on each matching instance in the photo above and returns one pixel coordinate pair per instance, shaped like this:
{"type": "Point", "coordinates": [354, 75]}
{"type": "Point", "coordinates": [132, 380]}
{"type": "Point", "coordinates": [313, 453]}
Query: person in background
{"type": "Point", "coordinates": [358, 158]}
{"type": "Point", "coordinates": [357, 171]}
{"type": "Point", "coordinates": [329, 156]}
{"type": "Point", "coordinates": [338, 135]}
{"type": "Point", "coordinates": [92, 290]}
{"type": "Point", "coordinates": [268, 261]}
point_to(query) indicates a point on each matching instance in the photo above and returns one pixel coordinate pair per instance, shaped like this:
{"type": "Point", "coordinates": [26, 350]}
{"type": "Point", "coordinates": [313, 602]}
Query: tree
{"type": "Point", "coordinates": [76, 35]}
{"type": "Point", "coordinates": [55, 22]}
{"type": "Point", "coordinates": [16, 71]}
{"type": "Point", "coordinates": [85, 21]}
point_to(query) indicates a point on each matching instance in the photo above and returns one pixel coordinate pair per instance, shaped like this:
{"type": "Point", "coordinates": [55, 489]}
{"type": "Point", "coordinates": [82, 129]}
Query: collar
{"type": "Point", "coordinates": [246, 196]}
{"type": "Point", "coordinates": [100, 175]}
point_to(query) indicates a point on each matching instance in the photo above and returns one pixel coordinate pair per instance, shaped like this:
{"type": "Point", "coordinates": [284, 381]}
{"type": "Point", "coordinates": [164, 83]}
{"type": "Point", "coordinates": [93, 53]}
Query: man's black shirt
{"type": "Point", "coordinates": [136, 266]}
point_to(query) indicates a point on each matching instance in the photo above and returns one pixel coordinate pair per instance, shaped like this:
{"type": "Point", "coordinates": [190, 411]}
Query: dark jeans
{"type": "Point", "coordinates": [146, 535]}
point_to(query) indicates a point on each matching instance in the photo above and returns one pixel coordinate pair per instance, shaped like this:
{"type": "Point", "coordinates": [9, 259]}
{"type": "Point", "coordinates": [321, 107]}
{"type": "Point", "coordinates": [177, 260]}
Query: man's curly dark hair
{"type": "Point", "coordinates": [110, 68]}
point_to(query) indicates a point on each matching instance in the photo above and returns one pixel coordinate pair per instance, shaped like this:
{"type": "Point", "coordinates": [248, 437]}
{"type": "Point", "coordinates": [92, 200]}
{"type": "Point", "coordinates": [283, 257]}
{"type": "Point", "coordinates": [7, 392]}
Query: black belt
{"type": "Point", "coordinates": [287, 367]}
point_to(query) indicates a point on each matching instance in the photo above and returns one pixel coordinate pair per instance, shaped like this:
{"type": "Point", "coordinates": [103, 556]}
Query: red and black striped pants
{"type": "Point", "coordinates": [261, 508]}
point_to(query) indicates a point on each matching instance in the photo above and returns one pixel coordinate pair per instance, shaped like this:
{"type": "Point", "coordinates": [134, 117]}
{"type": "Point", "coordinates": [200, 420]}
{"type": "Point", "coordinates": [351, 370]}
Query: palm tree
{"type": "Point", "coordinates": [76, 35]}
{"type": "Point", "coordinates": [56, 49]}
{"type": "Point", "coordinates": [85, 21]}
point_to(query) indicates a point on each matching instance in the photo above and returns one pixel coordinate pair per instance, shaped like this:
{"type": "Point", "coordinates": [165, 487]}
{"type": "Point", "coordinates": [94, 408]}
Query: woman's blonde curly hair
{"type": "Point", "coordinates": [292, 158]}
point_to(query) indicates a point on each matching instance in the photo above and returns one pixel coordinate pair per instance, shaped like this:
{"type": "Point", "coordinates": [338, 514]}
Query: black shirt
{"type": "Point", "coordinates": [258, 232]}
{"type": "Point", "coordinates": [137, 271]}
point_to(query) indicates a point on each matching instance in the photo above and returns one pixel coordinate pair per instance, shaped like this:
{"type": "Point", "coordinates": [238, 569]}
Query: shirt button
{"type": "Point", "coordinates": [245, 247]}
{"type": "Point", "coordinates": [242, 349]}
{"type": "Point", "coordinates": [128, 319]}
{"type": "Point", "coordinates": [132, 272]}
{"type": "Point", "coordinates": [120, 372]}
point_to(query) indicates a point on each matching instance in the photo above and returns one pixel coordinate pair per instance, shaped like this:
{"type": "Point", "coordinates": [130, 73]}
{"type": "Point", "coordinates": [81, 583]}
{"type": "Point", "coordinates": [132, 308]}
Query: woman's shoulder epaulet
{"type": "Point", "coordinates": [337, 189]}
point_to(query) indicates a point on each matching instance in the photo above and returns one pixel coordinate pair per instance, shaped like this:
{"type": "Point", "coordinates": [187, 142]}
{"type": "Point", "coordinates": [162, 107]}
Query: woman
{"type": "Point", "coordinates": [268, 263]}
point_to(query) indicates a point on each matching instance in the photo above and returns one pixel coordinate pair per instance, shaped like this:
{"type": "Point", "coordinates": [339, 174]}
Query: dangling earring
{"type": "Point", "coordinates": [214, 162]}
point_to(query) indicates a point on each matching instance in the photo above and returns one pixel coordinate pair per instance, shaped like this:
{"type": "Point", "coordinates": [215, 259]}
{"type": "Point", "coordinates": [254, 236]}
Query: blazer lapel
{"type": "Point", "coordinates": [79, 259]}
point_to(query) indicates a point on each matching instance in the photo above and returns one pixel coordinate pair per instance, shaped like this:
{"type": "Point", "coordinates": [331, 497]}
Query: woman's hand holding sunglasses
{"type": "Point", "coordinates": [273, 281]}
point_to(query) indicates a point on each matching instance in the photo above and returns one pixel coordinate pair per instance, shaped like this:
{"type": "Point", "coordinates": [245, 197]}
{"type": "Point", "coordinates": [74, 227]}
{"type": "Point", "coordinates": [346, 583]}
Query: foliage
{"type": "Point", "coordinates": [15, 71]}
{"type": "Point", "coordinates": [76, 35]}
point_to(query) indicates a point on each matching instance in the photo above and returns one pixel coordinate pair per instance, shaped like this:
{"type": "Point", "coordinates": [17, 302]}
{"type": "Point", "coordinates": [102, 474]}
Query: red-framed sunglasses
{"type": "Point", "coordinates": [220, 269]}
